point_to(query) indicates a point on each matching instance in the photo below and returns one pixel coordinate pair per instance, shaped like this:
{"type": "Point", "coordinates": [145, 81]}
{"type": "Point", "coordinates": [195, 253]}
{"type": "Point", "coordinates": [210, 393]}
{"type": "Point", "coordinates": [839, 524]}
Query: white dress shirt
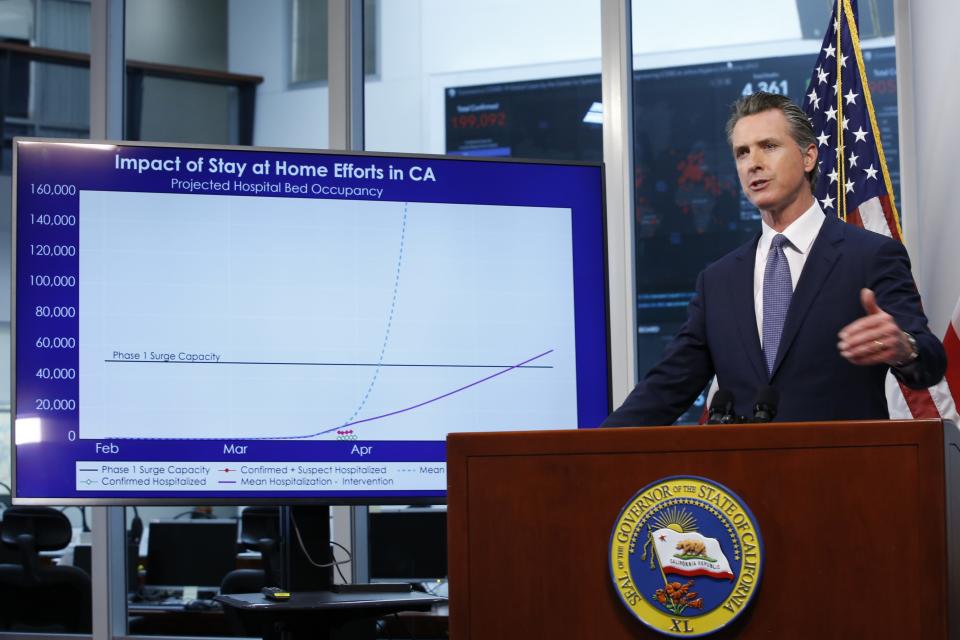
{"type": "Point", "coordinates": [800, 235]}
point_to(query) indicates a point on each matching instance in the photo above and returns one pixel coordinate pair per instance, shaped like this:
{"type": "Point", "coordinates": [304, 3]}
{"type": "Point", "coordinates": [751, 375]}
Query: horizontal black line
{"type": "Point", "coordinates": [339, 364]}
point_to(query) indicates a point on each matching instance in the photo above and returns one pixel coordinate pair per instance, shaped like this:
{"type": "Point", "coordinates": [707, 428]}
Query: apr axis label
{"type": "Point", "coordinates": [686, 556]}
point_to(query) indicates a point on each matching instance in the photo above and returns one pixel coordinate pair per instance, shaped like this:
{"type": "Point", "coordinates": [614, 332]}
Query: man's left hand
{"type": "Point", "coordinates": [874, 338]}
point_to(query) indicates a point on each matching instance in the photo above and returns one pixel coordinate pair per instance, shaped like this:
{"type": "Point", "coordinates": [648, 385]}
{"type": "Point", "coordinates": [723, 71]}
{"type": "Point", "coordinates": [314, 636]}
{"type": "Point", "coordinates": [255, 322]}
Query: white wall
{"type": "Point", "coordinates": [703, 24]}
{"type": "Point", "coordinates": [464, 36]}
{"type": "Point", "coordinates": [258, 41]}
{"type": "Point", "coordinates": [428, 45]}
{"type": "Point", "coordinates": [399, 81]}
{"type": "Point", "coordinates": [933, 238]}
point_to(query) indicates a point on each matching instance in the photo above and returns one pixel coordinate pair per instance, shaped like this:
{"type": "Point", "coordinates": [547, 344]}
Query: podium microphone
{"type": "Point", "coordinates": [765, 408]}
{"type": "Point", "coordinates": [721, 408]}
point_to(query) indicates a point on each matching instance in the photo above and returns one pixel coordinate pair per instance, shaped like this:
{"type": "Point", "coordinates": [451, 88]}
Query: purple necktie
{"type": "Point", "coordinates": [777, 291]}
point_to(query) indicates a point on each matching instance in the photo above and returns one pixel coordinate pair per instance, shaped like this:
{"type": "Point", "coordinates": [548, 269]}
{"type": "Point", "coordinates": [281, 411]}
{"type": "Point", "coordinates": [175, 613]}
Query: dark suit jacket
{"type": "Point", "coordinates": [814, 381]}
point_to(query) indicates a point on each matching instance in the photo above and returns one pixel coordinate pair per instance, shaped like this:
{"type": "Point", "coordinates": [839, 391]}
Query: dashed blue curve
{"type": "Point", "coordinates": [386, 335]}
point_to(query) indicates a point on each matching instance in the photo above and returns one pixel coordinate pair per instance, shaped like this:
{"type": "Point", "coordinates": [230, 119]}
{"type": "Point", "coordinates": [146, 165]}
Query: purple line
{"type": "Point", "coordinates": [385, 415]}
{"type": "Point", "coordinates": [227, 481]}
{"type": "Point", "coordinates": [417, 406]}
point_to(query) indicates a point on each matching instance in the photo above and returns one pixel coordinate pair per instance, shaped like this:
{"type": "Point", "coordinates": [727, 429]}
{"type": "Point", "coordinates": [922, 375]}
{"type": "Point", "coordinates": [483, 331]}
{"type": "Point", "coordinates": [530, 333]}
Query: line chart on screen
{"type": "Point", "coordinates": [338, 320]}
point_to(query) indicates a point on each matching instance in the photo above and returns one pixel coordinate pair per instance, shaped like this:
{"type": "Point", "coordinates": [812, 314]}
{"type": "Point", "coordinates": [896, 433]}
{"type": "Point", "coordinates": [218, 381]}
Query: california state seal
{"type": "Point", "coordinates": [686, 556]}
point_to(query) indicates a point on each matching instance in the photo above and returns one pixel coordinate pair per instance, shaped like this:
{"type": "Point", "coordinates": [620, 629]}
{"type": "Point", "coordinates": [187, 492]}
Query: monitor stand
{"type": "Point", "coordinates": [297, 572]}
{"type": "Point", "coordinates": [314, 610]}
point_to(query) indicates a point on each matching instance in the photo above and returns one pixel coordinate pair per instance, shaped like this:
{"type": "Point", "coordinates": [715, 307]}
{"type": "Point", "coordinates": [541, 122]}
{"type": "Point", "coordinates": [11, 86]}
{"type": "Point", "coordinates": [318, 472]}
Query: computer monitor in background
{"type": "Point", "coordinates": [190, 552]}
{"type": "Point", "coordinates": [408, 544]}
{"type": "Point", "coordinates": [83, 560]}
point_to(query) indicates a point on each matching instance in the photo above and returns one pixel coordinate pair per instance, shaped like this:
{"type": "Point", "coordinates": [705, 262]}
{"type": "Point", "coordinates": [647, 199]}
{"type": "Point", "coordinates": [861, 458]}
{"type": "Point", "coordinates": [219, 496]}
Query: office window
{"type": "Point", "coordinates": [45, 95]}
{"type": "Point", "coordinates": [259, 41]}
{"type": "Point", "coordinates": [487, 79]}
{"type": "Point", "coordinates": [308, 46]}
{"type": "Point", "coordinates": [689, 209]}
{"type": "Point", "coordinates": [63, 24]}
{"type": "Point", "coordinates": [178, 82]}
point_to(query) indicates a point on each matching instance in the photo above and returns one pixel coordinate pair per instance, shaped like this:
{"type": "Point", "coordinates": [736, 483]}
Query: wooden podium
{"type": "Point", "coordinates": [859, 523]}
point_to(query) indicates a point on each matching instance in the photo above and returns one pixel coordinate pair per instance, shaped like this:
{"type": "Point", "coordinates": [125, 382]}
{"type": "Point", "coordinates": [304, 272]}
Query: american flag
{"type": "Point", "coordinates": [854, 183]}
{"type": "Point", "coordinates": [951, 342]}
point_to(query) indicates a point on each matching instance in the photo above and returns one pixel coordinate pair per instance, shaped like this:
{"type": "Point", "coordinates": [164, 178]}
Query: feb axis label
{"type": "Point", "coordinates": [686, 556]}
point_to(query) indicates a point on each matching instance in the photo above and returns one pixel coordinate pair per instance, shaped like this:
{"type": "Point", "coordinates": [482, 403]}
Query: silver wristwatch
{"type": "Point", "coordinates": [914, 352]}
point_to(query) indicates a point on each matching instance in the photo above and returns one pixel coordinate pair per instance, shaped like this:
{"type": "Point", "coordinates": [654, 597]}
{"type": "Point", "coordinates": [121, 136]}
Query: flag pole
{"type": "Point", "coordinates": [871, 112]}
{"type": "Point", "coordinates": [842, 171]}
{"type": "Point", "coordinates": [657, 554]}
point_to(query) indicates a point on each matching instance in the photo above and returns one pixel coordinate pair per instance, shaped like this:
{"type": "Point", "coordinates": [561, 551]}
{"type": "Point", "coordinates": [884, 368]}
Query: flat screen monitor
{"type": "Point", "coordinates": [198, 325]}
{"type": "Point", "coordinates": [190, 553]}
{"type": "Point", "coordinates": [407, 544]}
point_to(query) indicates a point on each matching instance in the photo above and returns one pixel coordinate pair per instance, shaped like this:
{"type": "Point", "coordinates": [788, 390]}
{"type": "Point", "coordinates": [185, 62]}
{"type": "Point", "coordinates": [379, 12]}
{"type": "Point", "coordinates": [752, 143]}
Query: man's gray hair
{"type": "Point", "coordinates": [800, 128]}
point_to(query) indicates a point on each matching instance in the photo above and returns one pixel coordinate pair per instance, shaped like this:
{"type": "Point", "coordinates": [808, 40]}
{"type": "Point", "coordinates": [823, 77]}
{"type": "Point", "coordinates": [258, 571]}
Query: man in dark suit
{"type": "Point", "coordinates": [818, 309]}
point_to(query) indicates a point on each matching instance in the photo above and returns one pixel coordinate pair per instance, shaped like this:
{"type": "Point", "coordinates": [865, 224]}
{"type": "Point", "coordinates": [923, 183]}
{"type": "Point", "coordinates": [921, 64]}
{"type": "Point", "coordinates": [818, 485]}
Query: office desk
{"type": "Point", "coordinates": [322, 614]}
{"type": "Point", "coordinates": [423, 625]}
{"type": "Point", "coordinates": [156, 619]}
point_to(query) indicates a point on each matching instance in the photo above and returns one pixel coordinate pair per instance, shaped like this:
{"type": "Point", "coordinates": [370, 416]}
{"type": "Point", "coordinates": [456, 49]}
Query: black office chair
{"type": "Point", "coordinates": [259, 531]}
{"type": "Point", "coordinates": [37, 597]}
